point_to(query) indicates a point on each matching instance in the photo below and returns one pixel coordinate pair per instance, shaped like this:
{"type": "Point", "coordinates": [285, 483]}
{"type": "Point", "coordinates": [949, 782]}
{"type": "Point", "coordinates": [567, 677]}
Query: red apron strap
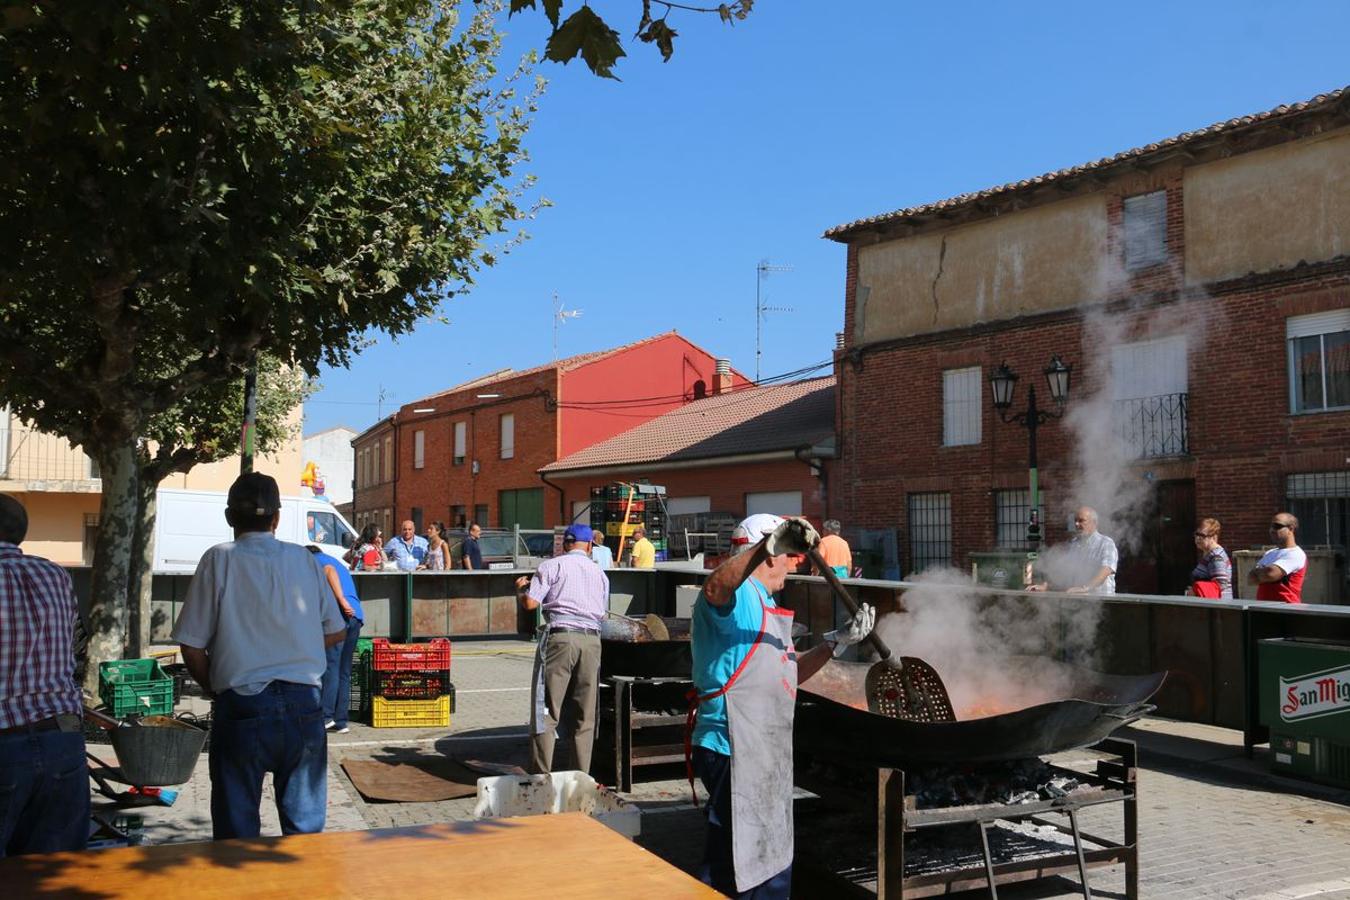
{"type": "Point", "coordinates": [695, 699]}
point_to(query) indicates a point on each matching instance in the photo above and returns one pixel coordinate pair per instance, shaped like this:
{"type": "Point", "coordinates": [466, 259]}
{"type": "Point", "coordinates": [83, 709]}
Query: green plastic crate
{"type": "Point", "coordinates": [135, 687]}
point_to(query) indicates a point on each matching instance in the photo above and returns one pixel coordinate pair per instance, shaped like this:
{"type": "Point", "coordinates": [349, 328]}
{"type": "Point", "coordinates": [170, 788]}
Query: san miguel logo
{"type": "Point", "coordinates": [1318, 694]}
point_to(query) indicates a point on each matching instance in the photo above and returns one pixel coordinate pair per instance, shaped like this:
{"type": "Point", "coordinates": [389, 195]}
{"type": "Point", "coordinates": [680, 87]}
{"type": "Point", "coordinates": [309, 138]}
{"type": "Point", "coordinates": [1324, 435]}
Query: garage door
{"type": "Point", "coordinates": [679, 506]}
{"type": "Point", "coordinates": [780, 503]}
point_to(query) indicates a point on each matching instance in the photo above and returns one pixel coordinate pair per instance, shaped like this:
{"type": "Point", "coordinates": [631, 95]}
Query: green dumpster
{"type": "Point", "coordinates": [1002, 568]}
{"type": "Point", "coordinates": [1304, 695]}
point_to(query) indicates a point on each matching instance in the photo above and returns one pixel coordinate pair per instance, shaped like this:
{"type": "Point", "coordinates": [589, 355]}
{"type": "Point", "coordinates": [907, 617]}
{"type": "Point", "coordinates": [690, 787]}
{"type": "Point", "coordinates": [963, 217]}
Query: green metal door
{"type": "Point", "coordinates": [523, 507]}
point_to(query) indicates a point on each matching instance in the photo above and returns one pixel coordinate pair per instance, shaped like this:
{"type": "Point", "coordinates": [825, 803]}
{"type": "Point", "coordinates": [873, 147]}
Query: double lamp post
{"type": "Point", "coordinates": [1003, 384]}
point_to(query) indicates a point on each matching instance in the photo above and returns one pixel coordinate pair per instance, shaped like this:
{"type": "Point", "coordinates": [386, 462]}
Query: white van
{"type": "Point", "coordinates": [189, 522]}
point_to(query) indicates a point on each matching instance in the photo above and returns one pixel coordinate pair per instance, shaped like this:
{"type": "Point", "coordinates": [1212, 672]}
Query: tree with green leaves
{"type": "Point", "coordinates": [583, 33]}
{"type": "Point", "coordinates": [185, 185]}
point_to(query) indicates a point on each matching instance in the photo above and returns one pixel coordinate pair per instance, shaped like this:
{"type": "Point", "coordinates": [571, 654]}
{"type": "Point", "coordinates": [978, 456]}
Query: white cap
{"type": "Point", "coordinates": [748, 533]}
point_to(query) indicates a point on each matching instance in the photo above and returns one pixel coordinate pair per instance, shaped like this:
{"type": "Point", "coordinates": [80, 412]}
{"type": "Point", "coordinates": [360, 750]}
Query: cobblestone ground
{"type": "Point", "coordinates": [1211, 823]}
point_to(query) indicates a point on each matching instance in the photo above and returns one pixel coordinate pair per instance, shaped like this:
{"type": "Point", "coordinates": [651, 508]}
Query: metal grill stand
{"type": "Point", "coordinates": [641, 723]}
{"type": "Point", "coordinates": [894, 872]}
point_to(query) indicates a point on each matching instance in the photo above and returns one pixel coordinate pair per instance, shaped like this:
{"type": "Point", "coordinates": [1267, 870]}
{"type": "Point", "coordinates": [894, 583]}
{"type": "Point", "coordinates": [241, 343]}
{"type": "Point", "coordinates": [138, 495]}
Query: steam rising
{"type": "Point", "coordinates": [971, 641]}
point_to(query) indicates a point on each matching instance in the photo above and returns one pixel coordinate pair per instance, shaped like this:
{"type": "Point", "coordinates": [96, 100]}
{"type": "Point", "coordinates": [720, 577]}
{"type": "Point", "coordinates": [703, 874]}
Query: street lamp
{"type": "Point", "coordinates": [1003, 385]}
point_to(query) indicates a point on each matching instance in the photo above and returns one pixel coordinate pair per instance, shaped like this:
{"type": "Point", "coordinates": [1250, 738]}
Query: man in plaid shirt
{"type": "Point", "coordinates": [41, 742]}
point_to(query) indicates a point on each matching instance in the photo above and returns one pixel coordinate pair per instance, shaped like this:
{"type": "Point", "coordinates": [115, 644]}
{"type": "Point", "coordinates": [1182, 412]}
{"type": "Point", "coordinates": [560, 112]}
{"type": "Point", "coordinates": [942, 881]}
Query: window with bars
{"type": "Point", "coordinates": [1012, 511]}
{"type": "Point", "coordinates": [1319, 361]}
{"type": "Point", "coordinates": [961, 406]}
{"type": "Point", "coordinates": [1145, 230]}
{"type": "Point", "coordinates": [1321, 503]}
{"type": "Point", "coordinates": [930, 531]}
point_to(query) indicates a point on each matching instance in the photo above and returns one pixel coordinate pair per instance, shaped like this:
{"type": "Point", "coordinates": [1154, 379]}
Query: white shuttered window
{"type": "Point", "coordinates": [508, 435]}
{"type": "Point", "coordinates": [461, 434]}
{"type": "Point", "coordinates": [961, 406]}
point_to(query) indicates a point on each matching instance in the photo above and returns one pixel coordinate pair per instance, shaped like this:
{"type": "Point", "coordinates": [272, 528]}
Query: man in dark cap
{"type": "Point", "coordinates": [254, 627]}
{"type": "Point", "coordinates": [574, 594]}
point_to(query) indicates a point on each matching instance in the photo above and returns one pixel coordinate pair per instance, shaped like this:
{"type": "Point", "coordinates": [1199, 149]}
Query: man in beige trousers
{"type": "Point", "coordinates": [574, 595]}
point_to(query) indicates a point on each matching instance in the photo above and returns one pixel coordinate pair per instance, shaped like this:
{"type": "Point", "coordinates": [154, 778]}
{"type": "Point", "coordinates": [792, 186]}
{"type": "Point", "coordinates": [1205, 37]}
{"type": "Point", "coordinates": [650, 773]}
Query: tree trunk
{"type": "Point", "coordinates": [142, 570]}
{"type": "Point", "coordinates": [112, 558]}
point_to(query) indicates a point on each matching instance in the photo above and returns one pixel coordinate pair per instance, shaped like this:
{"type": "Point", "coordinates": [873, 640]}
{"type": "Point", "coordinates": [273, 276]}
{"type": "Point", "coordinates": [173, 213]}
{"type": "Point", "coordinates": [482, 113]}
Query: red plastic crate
{"type": "Point", "coordinates": [431, 656]}
{"type": "Point", "coordinates": [411, 685]}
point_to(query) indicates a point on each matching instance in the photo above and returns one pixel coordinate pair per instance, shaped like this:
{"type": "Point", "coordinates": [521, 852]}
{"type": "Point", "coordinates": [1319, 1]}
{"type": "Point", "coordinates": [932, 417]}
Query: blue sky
{"type": "Point", "coordinates": [669, 187]}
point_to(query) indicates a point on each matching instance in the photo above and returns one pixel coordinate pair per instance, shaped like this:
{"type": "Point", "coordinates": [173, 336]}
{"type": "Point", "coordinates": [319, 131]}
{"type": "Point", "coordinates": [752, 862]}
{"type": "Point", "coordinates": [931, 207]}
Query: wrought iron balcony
{"type": "Point", "coordinates": [1152, 427]}
{"type": "Point", "coordinates": [38, 459]}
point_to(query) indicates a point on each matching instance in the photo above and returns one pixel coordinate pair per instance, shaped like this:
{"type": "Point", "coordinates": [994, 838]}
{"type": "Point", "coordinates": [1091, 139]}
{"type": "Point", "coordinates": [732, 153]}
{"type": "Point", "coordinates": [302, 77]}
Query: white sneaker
{"type": "Point", "coordinates": [343, 730]}
{"type": "Point", "coordinates": [328, 726]}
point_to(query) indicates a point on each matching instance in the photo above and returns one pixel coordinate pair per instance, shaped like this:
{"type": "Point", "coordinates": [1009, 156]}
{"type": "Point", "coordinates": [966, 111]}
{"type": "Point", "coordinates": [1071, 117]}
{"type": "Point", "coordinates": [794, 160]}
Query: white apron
{"type": "Point", "coordinates": [760, 698]}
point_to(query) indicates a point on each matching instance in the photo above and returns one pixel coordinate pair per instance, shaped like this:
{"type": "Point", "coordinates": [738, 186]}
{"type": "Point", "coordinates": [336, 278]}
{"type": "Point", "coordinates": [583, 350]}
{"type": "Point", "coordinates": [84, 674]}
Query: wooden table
{"type": "Point", "coordinates": [562, 856]}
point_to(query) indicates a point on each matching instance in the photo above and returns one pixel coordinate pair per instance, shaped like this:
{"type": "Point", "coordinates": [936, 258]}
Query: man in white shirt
{"type": "Point", "coordinates": [1088, 564]}
{"type": "Point", "coordinates": [1279, 574]}
{"type": "Point", "coordinates": [254, 627]}
{"type": "Point", "coordinates": [603, 556]}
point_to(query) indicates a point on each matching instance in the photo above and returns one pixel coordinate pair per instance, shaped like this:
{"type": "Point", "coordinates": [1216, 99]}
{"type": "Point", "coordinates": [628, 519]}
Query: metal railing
{"type": "Point", "coordinates": [27, 454]}
{"type": "Point", "coordinates": [1152, 427]}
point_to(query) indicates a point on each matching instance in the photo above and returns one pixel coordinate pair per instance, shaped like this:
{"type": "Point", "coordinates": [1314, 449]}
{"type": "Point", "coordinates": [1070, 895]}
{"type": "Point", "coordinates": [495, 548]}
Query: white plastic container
{"type": "Point", "coordinates": [503, 796]}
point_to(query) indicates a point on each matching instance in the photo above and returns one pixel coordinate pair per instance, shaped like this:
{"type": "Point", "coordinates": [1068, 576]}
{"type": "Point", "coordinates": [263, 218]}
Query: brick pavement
{"type": "Point", "coordinates": [1212, 824]}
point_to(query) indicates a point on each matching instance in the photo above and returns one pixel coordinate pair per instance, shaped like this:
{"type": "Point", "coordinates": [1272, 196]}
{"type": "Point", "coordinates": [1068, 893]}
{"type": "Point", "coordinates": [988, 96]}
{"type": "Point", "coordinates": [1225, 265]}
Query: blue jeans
{"type": "Point", "coordinates": [337, 678]}
{"type": "Point", "coordinates": [718, 869]}
{"type": "Point", "coordinates": [44, 792]}
{"type": "Point", "coordinates": [279, 730]}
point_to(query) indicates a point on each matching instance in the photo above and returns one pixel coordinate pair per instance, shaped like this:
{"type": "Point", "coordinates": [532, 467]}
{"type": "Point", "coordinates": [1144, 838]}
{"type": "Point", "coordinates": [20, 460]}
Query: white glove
{"type": "Point", "coordinates": [793, 536]}
{"type": "Point", "coordinates": [855, 631]}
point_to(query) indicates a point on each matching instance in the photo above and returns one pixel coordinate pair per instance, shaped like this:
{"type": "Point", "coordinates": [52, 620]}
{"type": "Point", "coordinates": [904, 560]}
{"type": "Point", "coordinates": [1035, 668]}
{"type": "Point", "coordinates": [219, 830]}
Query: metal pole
{"type": "Point", "coordinates": [759, 278]}
{"type": "Point", "coordinates": [246, 437]}
{"type": "Point", "coordinates": [1033, 475]}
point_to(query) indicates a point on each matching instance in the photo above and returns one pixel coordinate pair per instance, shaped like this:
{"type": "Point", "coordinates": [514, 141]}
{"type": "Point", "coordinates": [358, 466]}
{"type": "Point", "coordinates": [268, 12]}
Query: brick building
{"type": "Point", "coordinates": [758, 449]}
{"type": "Point", "coordinates": [473, 452]}
{"type": "Point", "coordinates": [1200, 289]}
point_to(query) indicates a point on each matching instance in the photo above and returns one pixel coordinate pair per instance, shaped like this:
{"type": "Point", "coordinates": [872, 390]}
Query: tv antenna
{"type": "Point", "coordinates": [761, 272]}
{"type": "Point", "coordinates": [560, 316]}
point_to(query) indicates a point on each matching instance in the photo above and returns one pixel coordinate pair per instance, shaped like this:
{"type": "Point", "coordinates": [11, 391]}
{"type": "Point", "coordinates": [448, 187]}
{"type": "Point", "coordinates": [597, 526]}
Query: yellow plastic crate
{"type": "Point", "coordinates": [410, 713]}
{"type": "Point", "coordinates": [619, 529]}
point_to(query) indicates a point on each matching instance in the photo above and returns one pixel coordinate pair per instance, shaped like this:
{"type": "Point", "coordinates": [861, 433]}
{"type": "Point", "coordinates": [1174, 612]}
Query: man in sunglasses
{"type": "Point", "coordinates": [1279, 574]}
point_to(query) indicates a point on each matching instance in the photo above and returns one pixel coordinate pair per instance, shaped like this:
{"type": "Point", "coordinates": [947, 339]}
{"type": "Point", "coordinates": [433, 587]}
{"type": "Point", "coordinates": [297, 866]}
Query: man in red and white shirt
{"type": "Point", "coordinates": [1279, 574]}
{"type": "Point", "coordinates": [41, 741]}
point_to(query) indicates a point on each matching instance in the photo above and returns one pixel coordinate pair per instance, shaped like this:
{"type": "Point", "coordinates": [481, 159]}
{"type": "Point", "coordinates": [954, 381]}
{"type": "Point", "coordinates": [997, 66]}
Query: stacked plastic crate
{"type": "Point", "coordinates": [618, 509]}
{"type": "Point", "coordinates": [135, 687]}
{"type": "Point", "coordinates": [358, 707]}
{"type": "Point", "coordinates": [410, 684]}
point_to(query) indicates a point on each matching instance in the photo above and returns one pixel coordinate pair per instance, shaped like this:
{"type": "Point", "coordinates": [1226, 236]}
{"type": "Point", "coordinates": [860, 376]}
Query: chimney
{"type": "Point", "coordinates": [722, 380]}
{"type": "Point", "coordinates": [839, 340]}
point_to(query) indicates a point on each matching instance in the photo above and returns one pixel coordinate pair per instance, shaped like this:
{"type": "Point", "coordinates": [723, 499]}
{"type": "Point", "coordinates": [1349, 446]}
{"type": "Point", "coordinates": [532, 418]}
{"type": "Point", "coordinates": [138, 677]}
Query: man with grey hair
{"type": "Point", "coordinates": [835, 550]}
{"type": "Point", "coordinates": [1087, 565]}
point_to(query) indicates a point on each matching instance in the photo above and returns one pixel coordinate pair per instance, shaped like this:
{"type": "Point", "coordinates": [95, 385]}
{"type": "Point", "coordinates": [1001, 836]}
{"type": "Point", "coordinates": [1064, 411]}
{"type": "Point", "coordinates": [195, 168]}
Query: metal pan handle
{"type": "Point", "coordinates": [846, 598]}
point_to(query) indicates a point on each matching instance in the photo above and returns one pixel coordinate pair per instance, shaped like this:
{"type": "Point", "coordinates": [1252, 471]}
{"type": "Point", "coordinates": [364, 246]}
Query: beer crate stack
{"type": "Point", "coordinates": [410, 684]}
{"type": "Point", "coordinates": [358, 709]}
{"type": "Point", "coordinates": [618, 509]}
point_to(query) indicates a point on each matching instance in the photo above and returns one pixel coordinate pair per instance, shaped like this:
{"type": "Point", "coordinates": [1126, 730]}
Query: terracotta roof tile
{"type": "Point", "coordinates": [842, 232]}
{"type": "Point", "coordinates": [749, 420]}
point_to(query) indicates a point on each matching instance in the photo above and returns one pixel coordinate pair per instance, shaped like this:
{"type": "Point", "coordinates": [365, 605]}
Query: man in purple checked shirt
{"type": "Point", "coordinates": [574, 594]}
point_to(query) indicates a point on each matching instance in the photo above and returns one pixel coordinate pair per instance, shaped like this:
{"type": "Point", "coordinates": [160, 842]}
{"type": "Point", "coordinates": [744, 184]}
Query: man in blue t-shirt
{"type": "Point", "coordinates": [746, 672]}
{"type": "Point", "coordinates": [335, 691]}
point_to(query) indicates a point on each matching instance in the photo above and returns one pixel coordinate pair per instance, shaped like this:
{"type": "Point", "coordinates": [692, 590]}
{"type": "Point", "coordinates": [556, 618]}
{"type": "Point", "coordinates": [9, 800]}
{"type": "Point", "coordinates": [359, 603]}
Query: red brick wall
{"type": "Point", "coordinates": [440, 484]}
{"type": "Point", "coordinates": [1243, 439]}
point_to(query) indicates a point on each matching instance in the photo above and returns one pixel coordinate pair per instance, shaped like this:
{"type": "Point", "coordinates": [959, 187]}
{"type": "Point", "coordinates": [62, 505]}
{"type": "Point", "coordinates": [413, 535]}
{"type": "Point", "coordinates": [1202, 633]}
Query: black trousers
{"type": "Point", "coordinates": [718, 869]}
